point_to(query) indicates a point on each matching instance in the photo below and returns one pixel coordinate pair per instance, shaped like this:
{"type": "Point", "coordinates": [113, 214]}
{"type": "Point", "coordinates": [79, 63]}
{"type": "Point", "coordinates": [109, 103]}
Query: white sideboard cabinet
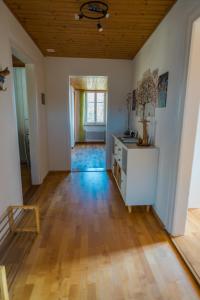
{"type": "Point", "coordinates": [135, 171]}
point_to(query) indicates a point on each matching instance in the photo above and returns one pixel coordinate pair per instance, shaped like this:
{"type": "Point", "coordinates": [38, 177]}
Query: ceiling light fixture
{"type": "Point", "coordinates": [94, 10]}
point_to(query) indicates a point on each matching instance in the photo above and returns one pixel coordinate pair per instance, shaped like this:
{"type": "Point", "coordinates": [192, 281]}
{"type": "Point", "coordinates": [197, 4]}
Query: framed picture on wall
{"type": "Point", "coordinates": [134, 100]}
{"type": "Point", "coordinates": [43, 100]}
{"type": "Point", "coordinates": [162, 90]}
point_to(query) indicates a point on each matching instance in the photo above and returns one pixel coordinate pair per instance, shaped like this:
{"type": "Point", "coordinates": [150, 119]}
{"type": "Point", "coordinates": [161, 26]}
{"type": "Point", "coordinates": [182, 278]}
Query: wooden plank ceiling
{"type": "Point", "coordinates": [89, 83]}
{"type": "Point", "coordinates": [51, 25]}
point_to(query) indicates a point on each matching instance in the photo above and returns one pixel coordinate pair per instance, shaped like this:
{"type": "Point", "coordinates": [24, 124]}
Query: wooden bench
{"type": "Point", "coordinates": [4, 295]}
{"type": "Point", "coordinates": [21, 224]}
{"type": "Point", "coordinates": [18, 220]}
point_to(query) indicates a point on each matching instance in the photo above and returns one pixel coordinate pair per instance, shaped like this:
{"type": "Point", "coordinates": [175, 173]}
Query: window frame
{"type": "Point", "coordinates": [95, 109]}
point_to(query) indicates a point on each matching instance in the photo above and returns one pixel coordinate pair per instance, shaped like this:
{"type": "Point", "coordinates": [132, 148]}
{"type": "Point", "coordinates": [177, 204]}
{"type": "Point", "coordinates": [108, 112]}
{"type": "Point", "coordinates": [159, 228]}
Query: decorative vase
{"type": "Point", "coordinates": [144, 140]}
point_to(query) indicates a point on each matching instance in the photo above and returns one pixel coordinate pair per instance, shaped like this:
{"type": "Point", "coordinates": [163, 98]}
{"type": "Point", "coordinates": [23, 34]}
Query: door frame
{"type": "Point", "coordinates": [106, 116]}
{"type": "Point", "coordinates": [31, 86]}
{"type": "Point", "coordinates": [178, 209]}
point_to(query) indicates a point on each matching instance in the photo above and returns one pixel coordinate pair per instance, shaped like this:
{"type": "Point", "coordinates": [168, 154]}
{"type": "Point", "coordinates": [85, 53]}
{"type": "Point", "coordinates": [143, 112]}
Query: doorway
{"type": "Point", "coordinates": [88, 96]}
{"type": "Point", "coordinates": [187, 209]}
{"type": "Point", "coordinates": [189, 243]}
{"type": "Point", "coordinates": [23, 127]}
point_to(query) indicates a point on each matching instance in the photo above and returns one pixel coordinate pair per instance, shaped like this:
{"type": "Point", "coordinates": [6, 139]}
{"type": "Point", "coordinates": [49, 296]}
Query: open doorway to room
{"type": "Point", "coordinates": [88, 117]}
{"type": "Point", "coordinates": [22, 111]}
{"type": "Point", "coordinates": [187, 214]}
{"type": "Point", "coordinates": [189, 243]}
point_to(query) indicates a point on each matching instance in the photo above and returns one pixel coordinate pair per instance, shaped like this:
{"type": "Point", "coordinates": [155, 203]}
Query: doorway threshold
{"type": "Point", "coordinates": [90, 170]}
{"type": "Point", "coordinates": [188, 245]}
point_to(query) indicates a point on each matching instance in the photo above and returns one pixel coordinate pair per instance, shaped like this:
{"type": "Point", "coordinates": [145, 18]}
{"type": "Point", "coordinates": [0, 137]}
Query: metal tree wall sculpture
{"type": "Point", "coordinates": [147, 91]}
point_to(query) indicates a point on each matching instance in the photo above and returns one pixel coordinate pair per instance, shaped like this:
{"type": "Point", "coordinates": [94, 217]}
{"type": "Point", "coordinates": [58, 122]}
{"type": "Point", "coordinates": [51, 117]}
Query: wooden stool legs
{"type": "Point", "coordinates": [3, 284]}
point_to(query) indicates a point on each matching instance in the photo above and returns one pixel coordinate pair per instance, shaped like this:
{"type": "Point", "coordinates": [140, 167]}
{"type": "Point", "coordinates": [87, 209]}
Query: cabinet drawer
{"type": "Point", "coordinates": [119, 160]}
{"type": "Point", "coordinates": [119, 154]}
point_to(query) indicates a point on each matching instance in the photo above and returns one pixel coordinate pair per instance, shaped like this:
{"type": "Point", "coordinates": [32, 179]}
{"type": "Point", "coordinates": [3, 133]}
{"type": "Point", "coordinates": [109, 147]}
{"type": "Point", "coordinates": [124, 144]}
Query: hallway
{"type": "Point", "coordinates": [91, 248]}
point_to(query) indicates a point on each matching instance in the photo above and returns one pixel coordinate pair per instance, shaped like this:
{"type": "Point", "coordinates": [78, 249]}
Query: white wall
{"type": "Point", "coordinates": [166, 50]}
{"type": "Point", "coordinates": [12, 35]}
{"type": "Point", "coordinates": [58, 71]}
{"type": "Point", "coordinates": [95, 133]}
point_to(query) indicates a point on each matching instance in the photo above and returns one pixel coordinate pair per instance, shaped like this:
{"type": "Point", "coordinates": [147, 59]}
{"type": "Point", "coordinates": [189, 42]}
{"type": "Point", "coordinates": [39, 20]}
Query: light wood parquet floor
{"type": "Point", "coordinates": [189, 244]}
{"type": "Point", "coordinates": [26, 178]}
{"type": "Point", "coordinates": [91, 248]}
{"type": "Point", "coordinates": [88, 157]}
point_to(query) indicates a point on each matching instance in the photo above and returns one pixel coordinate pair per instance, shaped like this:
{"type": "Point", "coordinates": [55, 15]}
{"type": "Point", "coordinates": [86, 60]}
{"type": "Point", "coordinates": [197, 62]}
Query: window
{"type": "Point", "coordinates": [95, 107]}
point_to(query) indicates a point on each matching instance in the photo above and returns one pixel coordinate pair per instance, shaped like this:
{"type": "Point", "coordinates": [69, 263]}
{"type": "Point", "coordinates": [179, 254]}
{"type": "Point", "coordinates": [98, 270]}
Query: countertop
{"type": "Point", "coordinates": [133, 145]}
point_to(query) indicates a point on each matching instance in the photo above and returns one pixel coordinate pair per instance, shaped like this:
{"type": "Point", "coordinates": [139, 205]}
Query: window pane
{"type": "Point", "coordinates": [100, 97]}
{"type": "Point", "coordinates": [90, 107]}
{"type": "Point", "coordinates": [100, 112]}
{"type": "Point", "coordinates": [100, 108]}
{"type": "Point", "coordinates": [90, 97]}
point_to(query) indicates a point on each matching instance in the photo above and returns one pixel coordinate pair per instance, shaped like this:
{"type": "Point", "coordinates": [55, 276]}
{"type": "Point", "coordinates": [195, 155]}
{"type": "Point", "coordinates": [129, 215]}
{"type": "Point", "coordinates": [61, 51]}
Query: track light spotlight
{"type": "Point", "coordinates": [78, 16]}
{"type": "Point", "coordinates": [99, 27]}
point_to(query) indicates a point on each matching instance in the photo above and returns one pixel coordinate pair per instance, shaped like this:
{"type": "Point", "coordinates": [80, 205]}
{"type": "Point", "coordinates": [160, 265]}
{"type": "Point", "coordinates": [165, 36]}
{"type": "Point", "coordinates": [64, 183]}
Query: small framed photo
{"type": "Point", "coordinates": [43, 100]}
{"type": "Point", "coordinates": [134, 100]}
{"type": "Point", "coordinates": [162, 90]}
